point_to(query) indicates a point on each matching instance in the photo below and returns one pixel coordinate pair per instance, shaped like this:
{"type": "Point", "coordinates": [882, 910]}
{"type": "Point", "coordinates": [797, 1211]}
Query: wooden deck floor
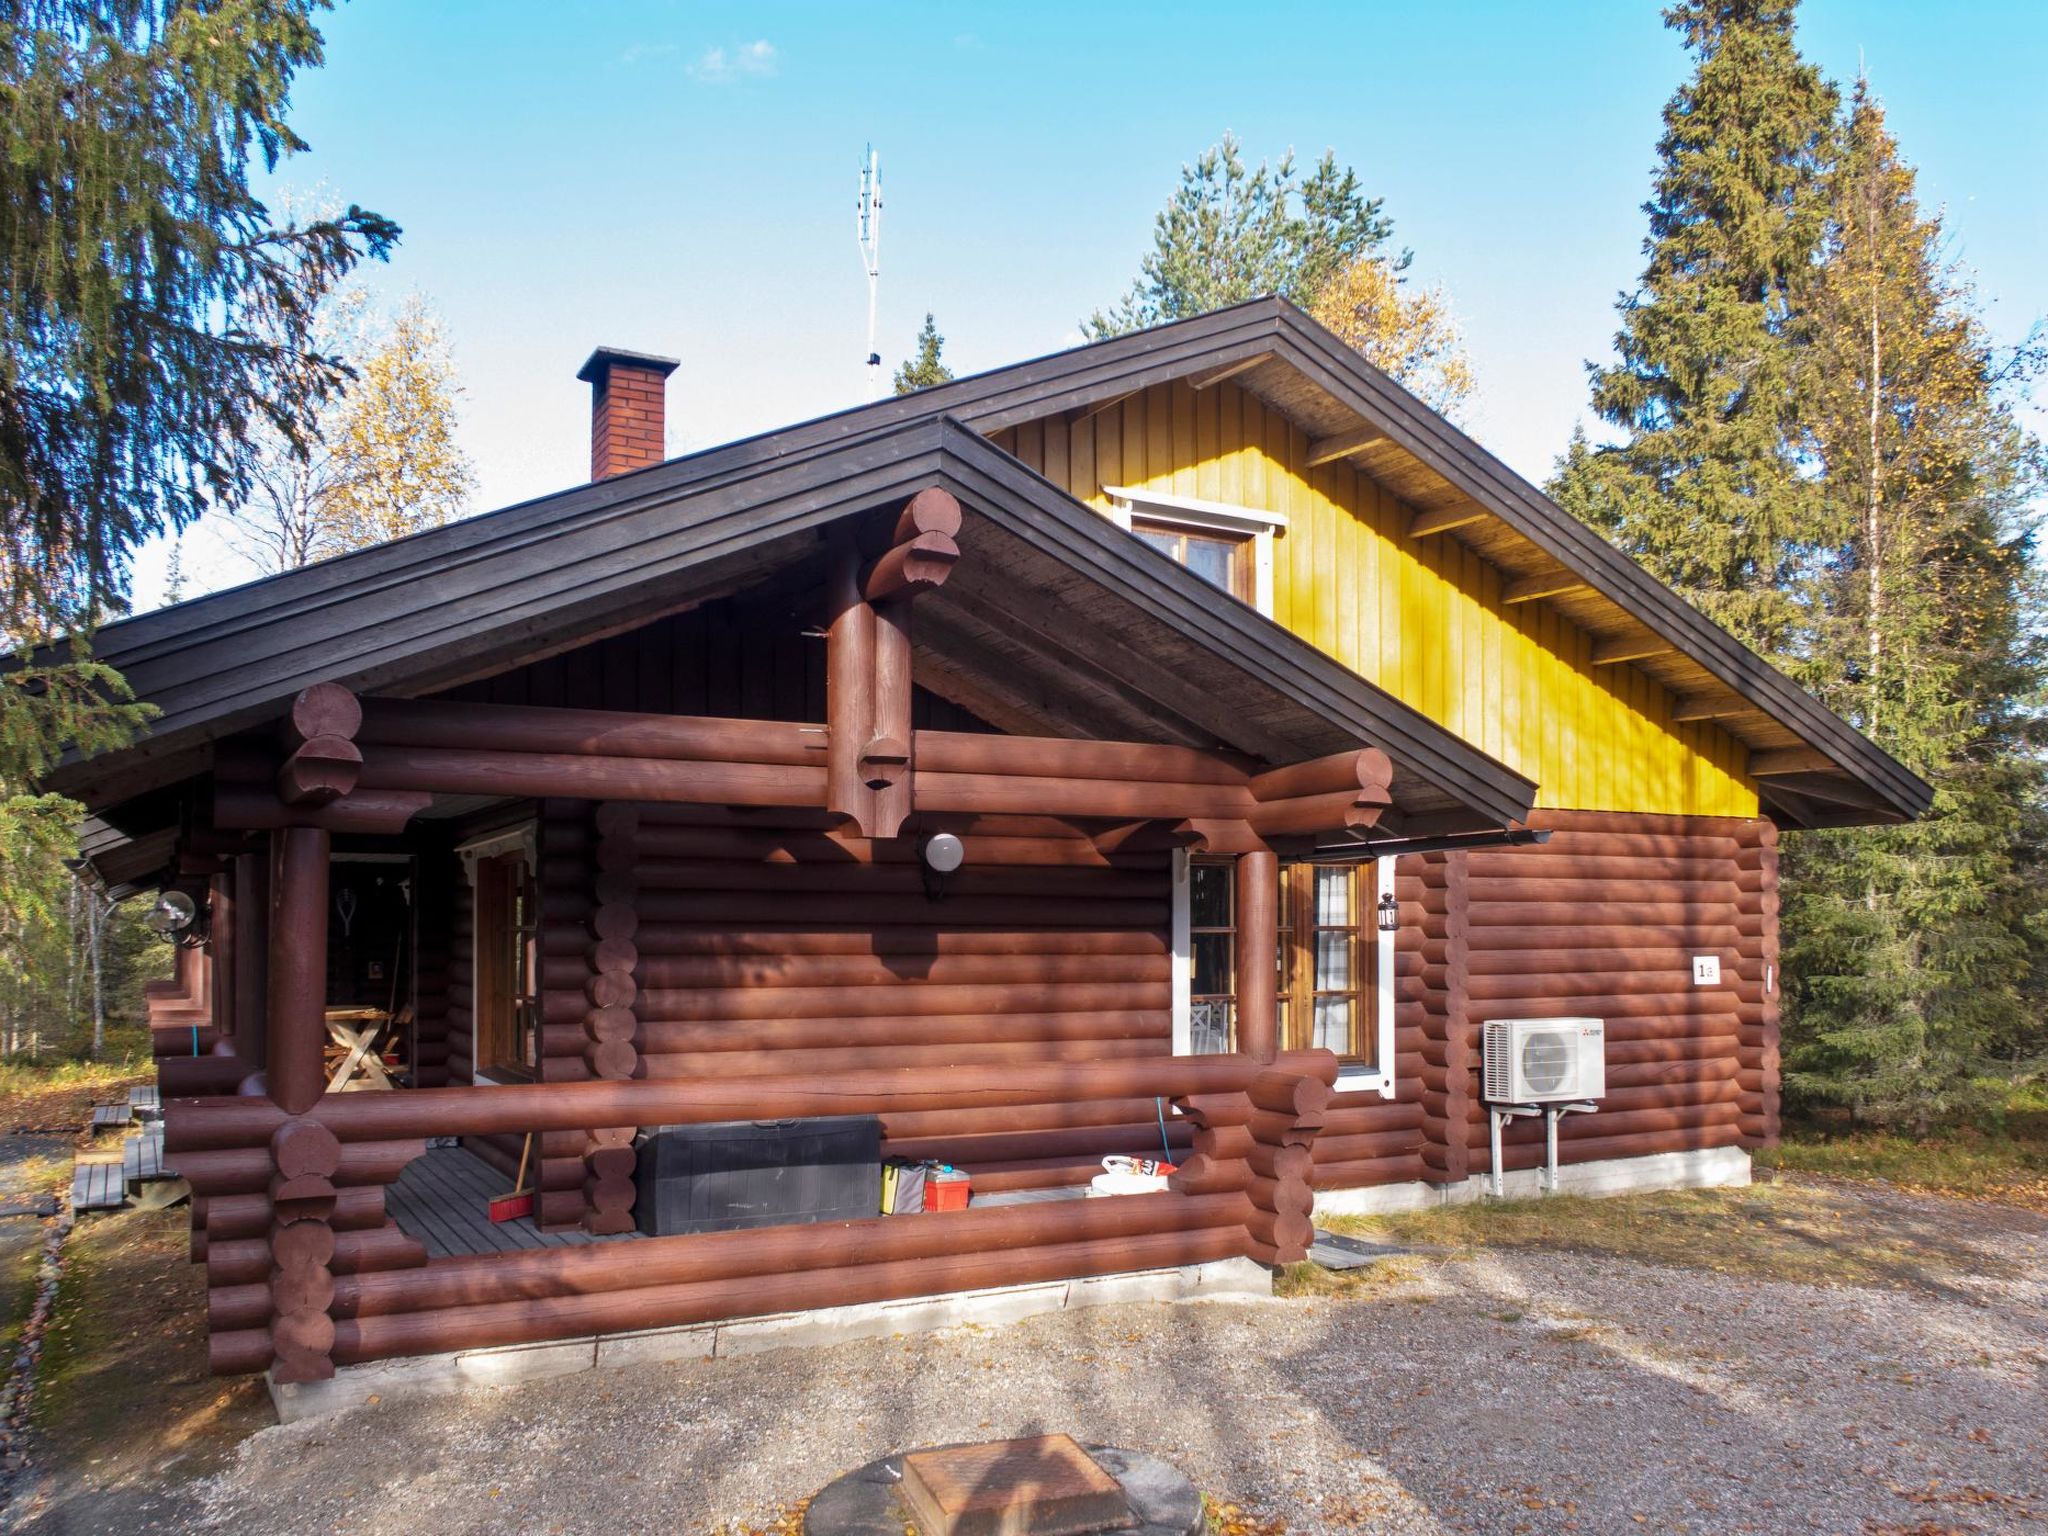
{"type": "Point", "coordinates": [441, 1199]}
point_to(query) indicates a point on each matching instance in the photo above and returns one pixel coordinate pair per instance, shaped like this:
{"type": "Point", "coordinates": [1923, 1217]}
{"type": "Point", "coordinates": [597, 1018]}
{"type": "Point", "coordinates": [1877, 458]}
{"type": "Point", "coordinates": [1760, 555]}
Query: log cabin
{"type": "Point", "coordinates": [1181, 744]}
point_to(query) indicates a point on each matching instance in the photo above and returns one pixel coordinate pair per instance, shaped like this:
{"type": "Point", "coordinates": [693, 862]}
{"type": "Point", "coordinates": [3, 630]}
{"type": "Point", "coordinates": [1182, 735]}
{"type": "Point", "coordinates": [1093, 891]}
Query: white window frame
{"type": "Point", "coordinates": [1127, 502]}
{"type": "Point", "coordinates": [1351, 1078]}
{"type": "Point", "coordinates": [524, 838]}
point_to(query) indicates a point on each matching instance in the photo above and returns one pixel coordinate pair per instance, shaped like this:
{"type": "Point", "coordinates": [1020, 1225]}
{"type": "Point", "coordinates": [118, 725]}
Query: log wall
{"type": "Point", "coordinates": [764, 943]}
{"type": "Point", "coordinates": [1603, 920]}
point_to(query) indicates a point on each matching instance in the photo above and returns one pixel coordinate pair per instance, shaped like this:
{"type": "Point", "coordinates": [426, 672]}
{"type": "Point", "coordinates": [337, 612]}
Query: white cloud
{"type": "Point", "coordinates": [718, 66]}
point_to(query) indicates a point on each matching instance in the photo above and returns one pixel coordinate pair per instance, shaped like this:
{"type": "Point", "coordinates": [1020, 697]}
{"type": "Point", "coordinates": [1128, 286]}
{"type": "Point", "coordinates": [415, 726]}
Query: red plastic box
{"type": "Point", "coordinates": [946, 1191]}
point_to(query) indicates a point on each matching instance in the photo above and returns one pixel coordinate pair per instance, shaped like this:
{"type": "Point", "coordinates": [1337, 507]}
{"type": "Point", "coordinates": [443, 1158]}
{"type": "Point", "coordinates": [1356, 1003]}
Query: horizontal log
{"type": "Point", "coordinates": [536, 1274]}
{"type": "Point", "coordinates": [689, 1005]}
{"type": "Point", "coordinates": [237, 1216]}
{"type": "Point", "coordinates": [366, 1250]}
{"type": "Point", "coordinates": [516, 728]}
{"type": "Point", "coordinates": [1341, 812]}
{"type": "Point", "coordinates": [1004, 912]}
{"type": "Point", "coordinates": [841, 1033]}
{"type": "Point", "coordinates": [777, 848]}
{"type": "Point", "coordinates": [243, 1168]}
{"type": "Point", "coordinates": [520, 1107]}
{"type": "Point", "coordinates": [256, 808]}
{"type": "Point", "coordinates": [1368, 1148]}
{"type": "Point", "coordinates": [894, 944]}
{"type": "Point", "coordinates": [899, 880]}
{"type": "Point", "coordinates": [1140, 1139]}
{"type": "Point", "coordinates": [659, 972]}
{"type": "Point", "coordinates": [530, 1320]}
{"type": "Point", "coordinates": [965, 752]}
{"type": "Point", "coordinates": [991, 793]}
{"type": "Point", "coordinates": [477, 771]}
{"type": "Point", "coordinates": [744, 1066]}
{"type": "Point", "coordinates": [1405, 1168]}
{"type": "Point", "coordinates": [1366, 768]}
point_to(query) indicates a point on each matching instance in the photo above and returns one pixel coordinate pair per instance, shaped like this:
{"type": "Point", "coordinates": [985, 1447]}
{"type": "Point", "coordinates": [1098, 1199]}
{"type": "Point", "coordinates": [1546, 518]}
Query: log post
{"type": "Point", "coordinates": [1286, 1113]}
{"type": "Point", "coordinates": [611, 1023]}
{"type": "Point", "coordinates": [887, 761]}
{"type": "Point", "coordinates": [250, 963]}
{"type": "Point", "coordinates": [304, 1156]}
{"type": "Point", "coordinates": [295, 1025]}
{"type": "Point", "coordinates": [849, 697]}
{"type": "Point", "coordinates": [1258, 955]}
{"type": "Point", "coordinates": [1447, 1123]}
{"type": "Point", "coordinates": [868, 687]}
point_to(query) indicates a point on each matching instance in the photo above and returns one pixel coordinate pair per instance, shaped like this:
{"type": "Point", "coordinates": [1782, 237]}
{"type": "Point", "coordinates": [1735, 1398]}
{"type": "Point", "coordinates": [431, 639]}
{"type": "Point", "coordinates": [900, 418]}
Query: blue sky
{"type": "Point", "coordinates": [679, 178]}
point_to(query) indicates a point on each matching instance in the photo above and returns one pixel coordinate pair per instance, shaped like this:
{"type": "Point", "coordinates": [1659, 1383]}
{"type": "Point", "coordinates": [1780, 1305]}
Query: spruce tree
{"type": "Point", "coordinates": [131, 258]}
{"type": "Point", "coordinates": [1910, 949]}
{"type": "Point", "coordinates": [1704, 488]}
{"type": "Point", "coordinates": [925, 369]}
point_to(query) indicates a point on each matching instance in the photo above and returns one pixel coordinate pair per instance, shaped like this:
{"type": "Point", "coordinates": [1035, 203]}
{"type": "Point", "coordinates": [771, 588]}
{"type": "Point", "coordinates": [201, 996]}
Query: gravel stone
{"type": "Point", "coordinates": [1498, 1392]}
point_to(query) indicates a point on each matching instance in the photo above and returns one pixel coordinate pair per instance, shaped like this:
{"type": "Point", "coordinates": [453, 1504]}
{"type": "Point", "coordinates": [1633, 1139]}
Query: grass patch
{"type": "Point", "coordinates": [2008, 1164]}
{"type": "Point", "coordinates": [58, 1096]}
{"type": "Point", "coordinates": [124, 1403]}
{"type": "Point", "coordinates": [20, 1263]}
{"type": "Point", "coordinates": [1794, 1231]}
{"type": "Point", "coordinates": [1310, 1279]}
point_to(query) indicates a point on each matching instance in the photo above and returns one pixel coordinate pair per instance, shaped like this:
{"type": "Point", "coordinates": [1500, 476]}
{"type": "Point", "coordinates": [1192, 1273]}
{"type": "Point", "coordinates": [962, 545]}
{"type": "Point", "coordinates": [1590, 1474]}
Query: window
{"type": "Point", "coordinates": [1221, 559]}
{"type": "Point", "coordinates": [506, 984]}
{"type": "Point", "coordinates": [1322, 979]}
{"type": "Point", "coordinates": [1231, 547]}
{"type": "Point", "coordinates": [1212, 933]}
{"type": "Point", "coordinates": [1331, 955]}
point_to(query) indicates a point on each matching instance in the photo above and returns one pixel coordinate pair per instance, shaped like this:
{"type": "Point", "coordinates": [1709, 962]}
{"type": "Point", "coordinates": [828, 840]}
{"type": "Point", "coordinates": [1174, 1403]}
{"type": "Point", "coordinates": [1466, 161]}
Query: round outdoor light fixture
{"type": "Point", "coordinates": [940, 854]}
{"type": "Point", "coordinates": [176, 919]}
{"type": "Point", "coordinates": [1390, 914]}
{"type": "Point", "coordinates": [172, 914]}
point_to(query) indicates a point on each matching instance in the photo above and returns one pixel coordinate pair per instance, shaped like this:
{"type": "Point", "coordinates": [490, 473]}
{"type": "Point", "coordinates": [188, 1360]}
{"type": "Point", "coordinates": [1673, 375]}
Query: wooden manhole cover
{"type": "Point", "coordinates": [1046, 1486]}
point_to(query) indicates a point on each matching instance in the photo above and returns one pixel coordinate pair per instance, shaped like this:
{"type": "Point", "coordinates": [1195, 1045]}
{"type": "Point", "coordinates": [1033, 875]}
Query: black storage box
{"type": "Point", "coordinates": [758, 1173]}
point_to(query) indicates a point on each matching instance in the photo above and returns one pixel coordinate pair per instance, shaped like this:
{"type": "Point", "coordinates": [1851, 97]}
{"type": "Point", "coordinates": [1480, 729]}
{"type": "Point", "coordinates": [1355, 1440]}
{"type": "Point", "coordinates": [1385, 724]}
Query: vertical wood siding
{"type": "Point", "coordinates": [1420, 617]}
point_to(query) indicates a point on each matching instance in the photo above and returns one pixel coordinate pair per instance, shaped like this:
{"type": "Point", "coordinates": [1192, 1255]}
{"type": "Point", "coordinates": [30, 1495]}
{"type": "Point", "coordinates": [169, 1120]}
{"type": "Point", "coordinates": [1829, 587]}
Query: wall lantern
{"type": "Point", "coordinates": [1390, 914]}
{"type": "Point", "coordinates": [940, 855]}
{"type": "Point", "coordinates": [175, 919]}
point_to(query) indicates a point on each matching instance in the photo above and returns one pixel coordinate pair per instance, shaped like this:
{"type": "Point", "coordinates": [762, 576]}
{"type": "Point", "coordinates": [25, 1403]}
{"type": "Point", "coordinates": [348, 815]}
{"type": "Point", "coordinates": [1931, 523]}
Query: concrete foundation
{"type": "Point", "coordinates": [468, 1370]}
{"type": "Point", "coordinates": [1708, 1168]}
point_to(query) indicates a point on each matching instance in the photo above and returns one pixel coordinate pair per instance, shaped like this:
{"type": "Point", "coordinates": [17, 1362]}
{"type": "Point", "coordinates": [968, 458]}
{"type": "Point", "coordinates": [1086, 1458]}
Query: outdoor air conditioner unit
{"type": "Point", "coordinates": [1545, 1061]}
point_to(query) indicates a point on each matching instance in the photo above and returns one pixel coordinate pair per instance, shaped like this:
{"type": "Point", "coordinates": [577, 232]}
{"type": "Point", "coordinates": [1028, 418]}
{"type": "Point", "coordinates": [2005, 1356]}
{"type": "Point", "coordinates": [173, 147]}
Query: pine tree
{"type": "Point", "coordinates": [1704, 489]}
{"type": "Point", "coordinates": [1911, 947]}
{"type": "Point", "coordinates": [1230, 234]}
{"type": "Point", "coordinates": [925, 369]}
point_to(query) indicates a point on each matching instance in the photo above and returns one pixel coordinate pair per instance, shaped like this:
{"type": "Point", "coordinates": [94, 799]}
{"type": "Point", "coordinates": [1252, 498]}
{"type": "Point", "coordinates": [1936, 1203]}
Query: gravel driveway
{"type": "Point", "coordinates": [1497, 1391]}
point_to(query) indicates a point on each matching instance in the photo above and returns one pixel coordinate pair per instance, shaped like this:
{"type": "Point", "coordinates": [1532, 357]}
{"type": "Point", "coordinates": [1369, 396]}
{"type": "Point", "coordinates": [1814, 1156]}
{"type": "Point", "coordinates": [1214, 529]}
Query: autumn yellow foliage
{"type": "Point", "coordinates": [1409, 333]}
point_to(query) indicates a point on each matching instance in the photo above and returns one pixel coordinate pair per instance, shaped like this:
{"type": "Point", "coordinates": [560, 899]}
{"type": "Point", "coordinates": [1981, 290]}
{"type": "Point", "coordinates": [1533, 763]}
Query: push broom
{"type": "Point", "coordinates": [520, 1202]}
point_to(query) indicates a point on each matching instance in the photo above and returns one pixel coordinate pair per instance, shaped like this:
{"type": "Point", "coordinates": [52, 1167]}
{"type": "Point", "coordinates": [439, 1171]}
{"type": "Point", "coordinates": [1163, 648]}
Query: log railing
{"type": "Point", "coordinates": [305, 1272]}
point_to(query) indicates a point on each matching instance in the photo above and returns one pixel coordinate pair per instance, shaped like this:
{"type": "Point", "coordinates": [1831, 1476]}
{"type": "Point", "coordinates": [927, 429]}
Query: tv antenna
{"type": "Point", "coordinates": [867, 229]}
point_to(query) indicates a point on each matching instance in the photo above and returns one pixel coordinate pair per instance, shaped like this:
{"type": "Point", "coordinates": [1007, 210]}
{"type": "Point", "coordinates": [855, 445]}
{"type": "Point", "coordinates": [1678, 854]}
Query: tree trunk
{"type": "Point", "coordinates": [96, 927]}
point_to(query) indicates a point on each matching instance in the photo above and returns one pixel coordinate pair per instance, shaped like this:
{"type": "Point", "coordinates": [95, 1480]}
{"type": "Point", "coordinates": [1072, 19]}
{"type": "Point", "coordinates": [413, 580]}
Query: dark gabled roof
{"type": "Point", "coordinates": [599, 557]}
{"type": "Point", "coordinates": [1060, 606]}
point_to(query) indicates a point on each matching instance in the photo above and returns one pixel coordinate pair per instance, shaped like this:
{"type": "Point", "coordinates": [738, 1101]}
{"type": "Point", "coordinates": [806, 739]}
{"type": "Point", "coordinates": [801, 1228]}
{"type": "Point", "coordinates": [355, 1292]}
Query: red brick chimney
{"type": "Point", "coordinates": [626, 390]}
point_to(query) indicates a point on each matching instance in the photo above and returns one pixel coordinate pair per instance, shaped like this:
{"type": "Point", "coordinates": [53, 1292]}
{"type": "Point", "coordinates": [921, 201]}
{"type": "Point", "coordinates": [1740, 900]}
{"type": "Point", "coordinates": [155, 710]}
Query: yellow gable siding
{"type": "Point", "coordinates": [1420, 617]}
